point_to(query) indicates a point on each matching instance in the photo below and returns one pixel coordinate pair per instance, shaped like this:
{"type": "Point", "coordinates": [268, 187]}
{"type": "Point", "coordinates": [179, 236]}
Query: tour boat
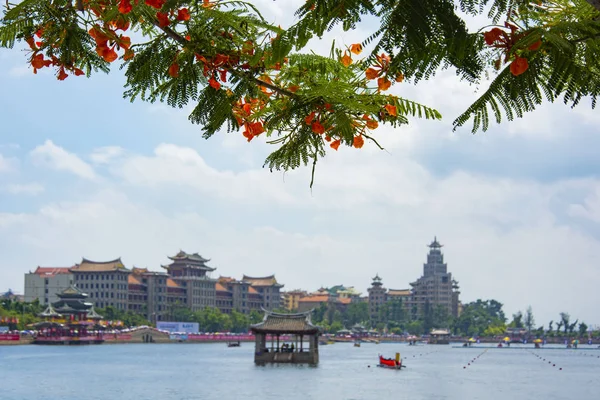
{"type": "Point", "coordinates": [390, 362]}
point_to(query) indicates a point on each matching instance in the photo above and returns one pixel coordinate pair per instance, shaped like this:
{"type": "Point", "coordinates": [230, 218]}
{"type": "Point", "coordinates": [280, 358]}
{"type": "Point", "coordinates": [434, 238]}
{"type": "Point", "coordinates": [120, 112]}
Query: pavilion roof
{"type": "Point", "coordinates": [182, 255]}
{"type": "Point", "coordinates": [299, 323]}
{"type": "Point", "coordinates": [435, 244]}
{"type": "Point", "coordinates": [262, 281]}
{"type": "Point", "coordinates": [49, 312]}
{"type": "Point", "coordinates": [72, 292]}
{"type": "Point", "coordinates": [92, 314]}
{"type": "Point", "coordinates": [100, 266]}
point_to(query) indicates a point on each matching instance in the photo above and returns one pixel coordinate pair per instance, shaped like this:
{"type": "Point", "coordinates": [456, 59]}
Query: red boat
{"type": "Point", "coordinates": [390, 362]}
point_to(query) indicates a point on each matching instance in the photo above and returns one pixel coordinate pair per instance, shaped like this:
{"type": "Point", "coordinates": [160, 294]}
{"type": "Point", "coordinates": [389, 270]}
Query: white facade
{"type": "Point", "coordinates": [45, 283]}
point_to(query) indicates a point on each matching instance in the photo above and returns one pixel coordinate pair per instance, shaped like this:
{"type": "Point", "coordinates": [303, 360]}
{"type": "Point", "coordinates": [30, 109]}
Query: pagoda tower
{"type": "Point", "coordinates": [377, 297]}
{"type": "Point", "coordinates": [436, 287]}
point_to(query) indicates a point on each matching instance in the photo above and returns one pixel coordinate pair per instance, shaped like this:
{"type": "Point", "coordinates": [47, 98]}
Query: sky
{"type": "Point", "coordinates": [85, 173]}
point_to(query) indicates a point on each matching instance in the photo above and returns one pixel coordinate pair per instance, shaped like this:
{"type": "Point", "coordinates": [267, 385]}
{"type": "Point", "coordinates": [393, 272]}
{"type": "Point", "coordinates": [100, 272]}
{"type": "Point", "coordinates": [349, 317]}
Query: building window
{"type": "Point", "coordinates": [46, 281]}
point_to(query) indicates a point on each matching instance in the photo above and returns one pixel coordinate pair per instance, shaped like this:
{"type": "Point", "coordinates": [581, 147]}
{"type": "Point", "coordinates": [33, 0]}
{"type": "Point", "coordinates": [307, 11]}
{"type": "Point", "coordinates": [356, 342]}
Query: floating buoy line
{"type": "Point", "coordinates": [475, 358]}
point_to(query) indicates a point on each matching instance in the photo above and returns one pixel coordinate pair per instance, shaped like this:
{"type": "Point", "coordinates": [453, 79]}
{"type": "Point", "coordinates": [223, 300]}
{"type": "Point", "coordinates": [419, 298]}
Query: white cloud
{"type": "Point", "coordinates": [32, 189]}
{"type": "Point", "coordinates": [176, 166]}
{"type": "Point", "coordinates": [6, 164]}
{"type": "Point", "coordinates": [55, 157]}
{"type": "Point", "coordinates": [104, 155]}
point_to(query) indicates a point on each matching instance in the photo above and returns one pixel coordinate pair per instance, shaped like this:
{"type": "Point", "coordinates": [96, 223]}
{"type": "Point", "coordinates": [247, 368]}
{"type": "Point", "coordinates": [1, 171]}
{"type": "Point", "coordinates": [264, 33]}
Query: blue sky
{"type": "Point", "coordinates": [84, 173]}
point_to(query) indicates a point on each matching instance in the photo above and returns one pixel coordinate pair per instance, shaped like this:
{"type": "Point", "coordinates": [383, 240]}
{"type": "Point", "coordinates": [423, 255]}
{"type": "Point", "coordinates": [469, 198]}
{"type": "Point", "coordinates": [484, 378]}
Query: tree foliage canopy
{"type": "Point", "coordinates": [243, 73]}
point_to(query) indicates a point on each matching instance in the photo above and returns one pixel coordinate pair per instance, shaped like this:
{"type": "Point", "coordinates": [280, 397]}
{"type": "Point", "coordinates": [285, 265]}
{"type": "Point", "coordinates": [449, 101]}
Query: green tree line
{"type": "Point", "coordinates": [478, 318]}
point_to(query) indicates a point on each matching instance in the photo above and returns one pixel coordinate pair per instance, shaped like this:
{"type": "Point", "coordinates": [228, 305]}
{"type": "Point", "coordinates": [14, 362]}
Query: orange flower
{"type": "Point", "coordinates": [183, 14]}
{"type": "Point", "coordinates": [356, 48]}
{"type": "Point", "coordinates": [317, 127]}
{"type": "Point", "coordinates": [174, 70]}
{"type": "Point", "coordinates": [399, 78]}
{"type": "Point", "coordinates": [518, 66]}
{"type": "Point", "coordinates": [328, 138]}
{"type": "Point", "coordinates": [163, 19]}
{"type": "Point", "coordinates": [294, 88]}
{"type": "Point", "coordinates": [125, 6]}
{"type": "Point", "coordinates": [372, 73]}
{"type": "Point", "coordinates": [383, 83]}
{"type": "Point", "coordinates": [62, 75]}
{"type": "Point", "coordinates": [156, 3]}
{"type": "Point", "coordinates": [309, 118]}
{"type": "Point", "coordinates": [392, 110]}
{"type": "Point", "coordinates": [372, 124]}
{"type": "Point", "coordinates": [335, 144]}
{"type": "Point", "coordinates": [38, 62]}
{"type": "Point", "coordinates": [358, 141]}
{"type": "Point", "coordinates": [536, 45]}
{"type": "Point", "coordinates": [346, 60]}
{"type": "Point", "coordinates": [494, 35]}
{"type": "Point", "coordinates": [121, 23]}
{"type": "Point", "coordinates": [207, 4]}
{"type": "Point", "coordinates": [214, 84]}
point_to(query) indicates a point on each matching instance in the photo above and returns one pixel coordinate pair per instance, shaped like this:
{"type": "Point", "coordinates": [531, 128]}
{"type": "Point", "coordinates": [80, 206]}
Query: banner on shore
{"type": "Point", "coordinates": [9, 337]}
{"type": "Point", "coordinates": [178, 327]}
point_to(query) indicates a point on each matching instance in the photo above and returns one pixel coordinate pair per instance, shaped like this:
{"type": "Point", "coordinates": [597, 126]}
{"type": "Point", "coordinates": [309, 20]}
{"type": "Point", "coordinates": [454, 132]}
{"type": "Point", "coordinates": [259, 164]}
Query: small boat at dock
{"type": "Point", "coordinates": [233, 344]}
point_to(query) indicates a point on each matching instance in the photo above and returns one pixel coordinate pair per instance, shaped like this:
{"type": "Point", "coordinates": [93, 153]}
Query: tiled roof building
{"type": "Point", "coordinates": [106, 282]}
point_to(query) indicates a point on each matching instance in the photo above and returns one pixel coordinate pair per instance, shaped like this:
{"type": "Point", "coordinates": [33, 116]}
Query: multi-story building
{"type": "Point", "coordinates": [106, 282]}
{"type": "Point", "coordinates": [154, 294]}
{"type": "Point", "coordinates": [242, 295]}
{"type": "Point", "coordinates": [190, 272]}
{"type": "Point", "coordinates": [436, 287]}
{"type": "Point", "coordinates": [45, 283]}
{"type": "Point", "coordinates": [186, 282]}
{"type": "Point", "coordinates": [291, 298]}
{"type": "Point", "coordinates": [268, 288]}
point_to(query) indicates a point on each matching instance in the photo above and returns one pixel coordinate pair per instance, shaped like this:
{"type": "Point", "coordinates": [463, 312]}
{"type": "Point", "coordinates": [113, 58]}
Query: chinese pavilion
{"type": "Point", "coordinates": [70, 320]}
{"type": "Point", "coordinates": [281, 338]}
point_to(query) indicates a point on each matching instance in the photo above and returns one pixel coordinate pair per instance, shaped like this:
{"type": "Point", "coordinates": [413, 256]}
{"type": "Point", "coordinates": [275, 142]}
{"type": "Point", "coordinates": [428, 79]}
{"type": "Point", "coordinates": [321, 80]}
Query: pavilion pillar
{"type": "Point", "coordinates": [301, 343]}
{"type": "Point", "coordinates": [278, 347]}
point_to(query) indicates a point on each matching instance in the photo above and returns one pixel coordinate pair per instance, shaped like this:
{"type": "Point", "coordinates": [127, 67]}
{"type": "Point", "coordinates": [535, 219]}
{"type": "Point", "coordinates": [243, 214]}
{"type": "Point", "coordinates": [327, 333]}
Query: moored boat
{"type": "Point", "coordinates": [233, 344]}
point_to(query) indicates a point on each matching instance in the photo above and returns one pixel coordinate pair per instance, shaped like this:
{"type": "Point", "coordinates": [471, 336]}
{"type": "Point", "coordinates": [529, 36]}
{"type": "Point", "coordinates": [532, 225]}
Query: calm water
{"type": "Point", "coordinates": [213, 371]}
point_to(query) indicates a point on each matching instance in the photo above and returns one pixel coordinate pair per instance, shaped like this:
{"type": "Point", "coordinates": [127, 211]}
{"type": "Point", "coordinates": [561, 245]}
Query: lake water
{"type": "Point", "coordinates": [213, 371]}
